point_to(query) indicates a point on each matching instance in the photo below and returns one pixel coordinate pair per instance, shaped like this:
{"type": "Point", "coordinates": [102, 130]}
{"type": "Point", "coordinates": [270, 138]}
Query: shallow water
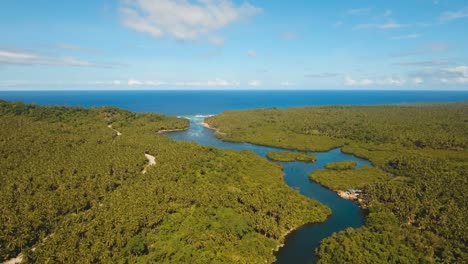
{"type": "Point", "coordinates": [300, 244]}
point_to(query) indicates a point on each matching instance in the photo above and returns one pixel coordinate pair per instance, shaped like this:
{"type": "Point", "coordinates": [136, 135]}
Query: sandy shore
{"type": "Point", "coordinates": [216, 130]}
{"type": "Point", "coordinates": [348, 195]}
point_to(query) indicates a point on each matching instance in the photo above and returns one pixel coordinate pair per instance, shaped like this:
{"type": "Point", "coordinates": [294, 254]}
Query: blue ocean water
{"type": "Point", "coordinates": [213, 102]}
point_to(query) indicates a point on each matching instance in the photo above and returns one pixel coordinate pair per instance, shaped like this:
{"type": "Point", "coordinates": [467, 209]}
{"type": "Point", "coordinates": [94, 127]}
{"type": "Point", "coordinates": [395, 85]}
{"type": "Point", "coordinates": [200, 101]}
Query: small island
{"type": "Point", "coordinates": [291, 156]}
{"type": "Point", "coordinates": [346, 179]}
{"type": "Point", "coordinates": [341, 165]}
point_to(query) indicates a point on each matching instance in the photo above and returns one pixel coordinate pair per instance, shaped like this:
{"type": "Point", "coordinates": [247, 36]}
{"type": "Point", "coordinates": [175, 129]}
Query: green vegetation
{"type": "Point", "coordinates": [418, 217]}
{"type": "Point", "coordinates": [74, 190]}
{"type": "Point", "coordinates": [342, 180]}
{"type": "Point", "coordinates": [291, 156]}
{"type": "Point", "coordinates": [341, 165]}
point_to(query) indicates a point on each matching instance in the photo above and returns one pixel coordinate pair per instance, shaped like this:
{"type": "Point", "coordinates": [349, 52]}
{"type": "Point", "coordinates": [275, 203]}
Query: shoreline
{"type": "Point", "coordinates": [277, 248]}
{"type": "Point", "coordinates": [216, 130]}
{"type": "Point", "coordinates": [162, 131]}
{"type": "Point", "coordinates": [348, 196]}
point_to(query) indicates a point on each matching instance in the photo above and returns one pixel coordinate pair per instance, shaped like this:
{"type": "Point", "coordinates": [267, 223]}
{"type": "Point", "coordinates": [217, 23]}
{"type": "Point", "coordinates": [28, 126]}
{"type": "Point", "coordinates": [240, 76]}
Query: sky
{"type": "Point", "coordinates": [231, 44]}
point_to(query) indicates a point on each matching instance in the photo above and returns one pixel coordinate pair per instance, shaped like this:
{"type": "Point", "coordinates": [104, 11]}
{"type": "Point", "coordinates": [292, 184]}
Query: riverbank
{"type": "Point", "coordinates": [216, 130]}
{"type": "Point", "coordinates": [162, 131]}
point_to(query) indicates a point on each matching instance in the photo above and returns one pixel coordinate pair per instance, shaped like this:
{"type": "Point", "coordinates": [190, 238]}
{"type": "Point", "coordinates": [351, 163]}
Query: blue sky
{"type": "Point", "coordinates": [227, 44]}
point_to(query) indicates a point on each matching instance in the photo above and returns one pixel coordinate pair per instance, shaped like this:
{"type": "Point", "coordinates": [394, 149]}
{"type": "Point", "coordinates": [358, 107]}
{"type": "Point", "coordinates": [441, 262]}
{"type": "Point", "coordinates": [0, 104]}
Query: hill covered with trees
{"type": "Point", "coordinates": [73, 191]}
{"type": "Point", "coordinates": [419, 215]}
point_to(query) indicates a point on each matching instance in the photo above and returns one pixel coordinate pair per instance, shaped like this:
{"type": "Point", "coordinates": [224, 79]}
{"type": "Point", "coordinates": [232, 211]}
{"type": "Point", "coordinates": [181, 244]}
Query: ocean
{"type": "Point", "coordinates": [213, 102]}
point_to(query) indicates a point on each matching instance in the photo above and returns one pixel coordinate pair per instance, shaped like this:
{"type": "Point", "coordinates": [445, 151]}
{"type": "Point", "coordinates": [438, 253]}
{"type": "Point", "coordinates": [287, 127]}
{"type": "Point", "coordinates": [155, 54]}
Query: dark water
{"type": "Point", "coordinates": [213, 102]}
{"type": "Point", "coordinates": [299, 245]}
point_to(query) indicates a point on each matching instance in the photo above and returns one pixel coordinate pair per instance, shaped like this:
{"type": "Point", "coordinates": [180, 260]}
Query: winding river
{"type": "Point", "coordinates": [300, 244]}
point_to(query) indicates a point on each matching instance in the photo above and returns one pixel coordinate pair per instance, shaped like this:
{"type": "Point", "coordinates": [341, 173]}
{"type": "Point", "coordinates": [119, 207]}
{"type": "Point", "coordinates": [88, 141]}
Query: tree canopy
{"type": "Point", "coordinates": [417, 216]}
{"type": "Point", "coordinates": [73, 190]}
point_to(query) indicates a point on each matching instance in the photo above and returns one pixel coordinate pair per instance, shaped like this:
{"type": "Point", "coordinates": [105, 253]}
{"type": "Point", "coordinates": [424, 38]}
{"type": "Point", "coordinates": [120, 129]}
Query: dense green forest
{"type": "Point", "coordinates": [344, 179]}
{"type": "Point", "coordinates": [418, 216]}
{"type": "Point", "coordinates": [341, 165]}
{"type": "Point", "coordinates": [291, 156]}
{"type": "Point", "coordinates": [73, 191]}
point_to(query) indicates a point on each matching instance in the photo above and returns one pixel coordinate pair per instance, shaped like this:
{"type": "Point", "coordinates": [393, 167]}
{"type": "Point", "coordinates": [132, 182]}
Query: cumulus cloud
{"type": "Point", "coordinates": [349, 81]}
{"type": "Point", "coordinates": [135, 82]}
{"type": "Point", "coordinates": [31, 58]}
{"type": "Point", "coordinates": [452, 15]}
{"type": "Point", "coordinates": [389, 81]}
{"type": "Point", "coordinates": [202, 84]}
{"type": "Point", "coordinates": [210, 83]}
{"type": "Point", "coordinates": [456, 75]}
{"type": "Point", "coordinates": [255, 83]}
{"type": "Point", "coordinates": [183, 19]}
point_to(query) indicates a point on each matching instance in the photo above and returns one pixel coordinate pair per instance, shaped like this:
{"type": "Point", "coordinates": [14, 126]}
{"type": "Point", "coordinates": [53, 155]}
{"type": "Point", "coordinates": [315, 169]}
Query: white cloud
{"type": "Point", "coordinates": [73, 47]}
{"type": "Point", "coordinates": [30, 58]}
{"type": "Point", "coordinates": [353, 82]}
{"type": "Point", "coordinates": [122, 83]}
{"type": "Point", "coordinates": [383, 26]}
{"type": "Point", "coordinates": [210, 83]}
{"type": "Point", "coordinates": [252, 53]}
{"type": "Point", "coordinates": [134, 82]}
{"type": "Point", "coordinates": [182, 19]}
{"type": "Point", "coordinates": [287, 84]}
{"type": "Point", "coordinates": [349, 81]}
{"type": "Point", "coordinates": [218, 41]}
{"type": "Point", "coordinates": [417, 80]}
{"type": "Point", "coordinates": [452, 15]}
{"type": "Point", "coordinates": [408, 36]}
{"type": "Point", "coordinates": [255, 83]}
{"type": "Point", "coordinates": [459, 75]}
{"type": "Point", "coordinates": [455, 76]}
{"type": "Point", "coordinates": [359, 11]}
{"type": "Point", "coordinates": [322, 75]}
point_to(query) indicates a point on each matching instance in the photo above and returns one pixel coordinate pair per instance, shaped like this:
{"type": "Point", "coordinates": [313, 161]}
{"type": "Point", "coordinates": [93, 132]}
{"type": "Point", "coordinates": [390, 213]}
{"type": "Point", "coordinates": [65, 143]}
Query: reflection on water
{"type": "Point", "coordinates": [299, 245]}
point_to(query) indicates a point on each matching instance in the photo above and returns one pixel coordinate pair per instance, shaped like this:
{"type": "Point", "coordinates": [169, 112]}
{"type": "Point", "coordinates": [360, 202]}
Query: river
{"type": "Point", "coordinates": [300, 244]}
